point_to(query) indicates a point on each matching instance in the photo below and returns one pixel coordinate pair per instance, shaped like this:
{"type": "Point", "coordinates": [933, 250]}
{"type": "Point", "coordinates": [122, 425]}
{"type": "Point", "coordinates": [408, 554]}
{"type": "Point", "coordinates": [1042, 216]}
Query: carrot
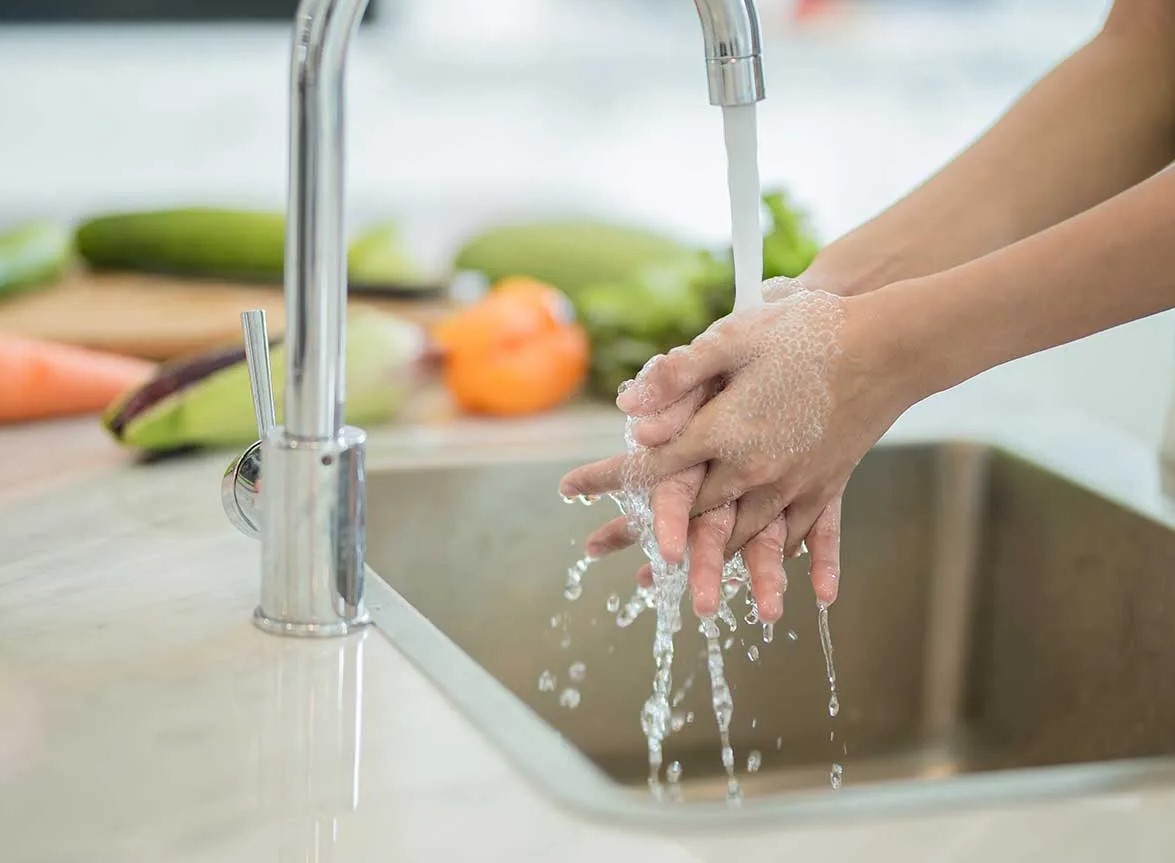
{"type": "Point", "coordinates": [45, 379]}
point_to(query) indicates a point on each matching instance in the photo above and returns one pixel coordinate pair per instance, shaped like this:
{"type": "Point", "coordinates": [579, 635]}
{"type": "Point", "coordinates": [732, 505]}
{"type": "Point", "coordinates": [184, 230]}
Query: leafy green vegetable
{"type": "Point", "coordinates": [667, 303]}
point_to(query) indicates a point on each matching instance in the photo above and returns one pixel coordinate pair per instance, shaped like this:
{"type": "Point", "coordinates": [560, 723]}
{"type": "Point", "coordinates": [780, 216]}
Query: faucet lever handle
{"type": "Point", "coordinates": [260, 375]}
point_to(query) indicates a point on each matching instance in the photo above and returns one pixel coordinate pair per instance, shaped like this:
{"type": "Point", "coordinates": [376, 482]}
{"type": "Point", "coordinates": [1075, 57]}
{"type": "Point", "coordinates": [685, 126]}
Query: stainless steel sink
{"type": "Point", "coordinates": [1001, 630]}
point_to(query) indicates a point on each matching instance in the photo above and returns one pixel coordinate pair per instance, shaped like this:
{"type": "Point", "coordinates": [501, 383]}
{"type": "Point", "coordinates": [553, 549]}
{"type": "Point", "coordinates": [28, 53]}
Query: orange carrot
{"type": "Point", "coordinates": [45, 379]}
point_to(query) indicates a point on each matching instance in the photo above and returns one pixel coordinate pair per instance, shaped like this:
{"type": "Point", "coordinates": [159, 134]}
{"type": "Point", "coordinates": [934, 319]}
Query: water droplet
{"type": "Point", "coordinates": [588, 499]}
{"type": "Point", "coordinates": [569, 698]}
{"type": "Point", "coordinates": [754, 722]}
{"type": "Point", "coordinates": [565, 642]}
{"type": "Point", "coordinates": [779, 743]}
{"type": "Point", "coordinates": [768, 633]}
{"type": "Point", "coordinates": [833, 705]}
{"type": "Point", "coordinates": [673, 772]}
{"type": "Point", "coordinates": [632, 609]}
{"type": "Point", "coordinates": [727, 757]}
{"type": "Point", "coordinates": [836, 776]}
{"type": "Point", "coordinates": [567, 500]}
{"type": "Point", "coordinates": [613, 604]}
{"type": "Point", "coordinates": [577, 672]}
{"type": "Point", "coordinates": [556, 619]}
{"type": "Point", "coordinates": [573, 589]}
{"type": "Point", "coordinates": [689, 717]}
{"type": "Point", "coordinates": [754, 761]}
{"type": "Point", "coordinates": [752, 616]}
{"type": "Point", "coordinates": [729, 643]}
{"type": "Point", "coordinates": [791, 635]}
{"type": "Point", "coordinates": [678, 697]}
{"type": "Point", "coordinates": [753, 653]}
{"type": "Point", "coordinates": [547, 682]}
{"type": "Point", "coordinates": [677, 722]}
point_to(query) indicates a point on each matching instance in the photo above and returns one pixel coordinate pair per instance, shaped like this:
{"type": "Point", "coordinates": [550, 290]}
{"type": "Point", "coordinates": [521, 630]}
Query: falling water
{"type": "Point", "coordinates": [742, 177]}
{"type": "Point", "coordinates": [836, 775]}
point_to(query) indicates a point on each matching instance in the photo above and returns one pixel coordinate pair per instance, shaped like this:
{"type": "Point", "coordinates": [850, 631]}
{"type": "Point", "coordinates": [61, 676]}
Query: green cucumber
{"type": "Point", "coordinates": [208, 242]}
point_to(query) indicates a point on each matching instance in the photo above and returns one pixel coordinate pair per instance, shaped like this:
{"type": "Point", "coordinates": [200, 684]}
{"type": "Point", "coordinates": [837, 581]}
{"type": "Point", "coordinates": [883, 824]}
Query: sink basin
{"type": "Point", "coordinates": [1002, 630]}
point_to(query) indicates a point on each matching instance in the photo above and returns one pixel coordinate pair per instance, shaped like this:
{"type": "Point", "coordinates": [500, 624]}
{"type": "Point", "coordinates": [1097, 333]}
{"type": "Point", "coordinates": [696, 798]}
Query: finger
{"type": "Point", "coordinates": [665, 379]}
{"type": "Point", "coordinates": [659, 428]}
{"type": "Point", "coordinates": [613, 536]}
{"type": "Point", "coordinates": [708, 534]}
{"type": "Point", "coordinates": [671, 501]}
{"type": "Point", "coordinates": [763, 556]}
{"type": "Point", "coordinates": [824, 553]}
{"type": "Point", "coordinates": [644, 575]}
{"type": "Point", "coordinates": [724, 484]}
{"type": "Point", "coordinates": [801, 516]}
{"type": "Point", "coordinates": [757, 509]}
{"type": "Point", "coordinates": [599, 477]}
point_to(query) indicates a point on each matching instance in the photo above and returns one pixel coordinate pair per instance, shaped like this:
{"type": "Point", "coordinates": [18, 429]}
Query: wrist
{"type": "Point", "coordinates": [910, 346]}
{"type": "Point", "coordinates": [841, 272]}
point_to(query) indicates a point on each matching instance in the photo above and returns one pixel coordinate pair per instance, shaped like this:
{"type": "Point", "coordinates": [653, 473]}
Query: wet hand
{"type": "Point", "coordinates": [802, 388]}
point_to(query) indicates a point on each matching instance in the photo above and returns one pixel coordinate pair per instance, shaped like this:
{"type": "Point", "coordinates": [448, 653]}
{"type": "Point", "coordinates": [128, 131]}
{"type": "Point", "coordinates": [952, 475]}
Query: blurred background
{"type": "Point", "coordinates": [467, 111]}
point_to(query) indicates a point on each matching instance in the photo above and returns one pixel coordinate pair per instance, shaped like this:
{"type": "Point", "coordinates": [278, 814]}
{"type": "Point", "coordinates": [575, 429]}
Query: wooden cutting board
{"type": "Point", "coordinates": [160, 317]}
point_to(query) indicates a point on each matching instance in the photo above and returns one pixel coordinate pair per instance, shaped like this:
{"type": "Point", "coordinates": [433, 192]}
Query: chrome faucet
{"type": "Point", "coordinates": [309, 509]}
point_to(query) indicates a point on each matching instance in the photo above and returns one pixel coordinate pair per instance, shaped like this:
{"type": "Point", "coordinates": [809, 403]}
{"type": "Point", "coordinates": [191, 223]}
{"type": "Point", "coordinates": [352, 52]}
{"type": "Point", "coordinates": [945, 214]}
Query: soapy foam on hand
{"type": "Point", "coordinates": [777, 399]}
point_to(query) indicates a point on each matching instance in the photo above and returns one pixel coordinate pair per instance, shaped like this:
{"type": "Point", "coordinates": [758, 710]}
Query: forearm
{"type": "Point", "coordinates": [1097, 124]}
{"type": "Point", "coordinates": [1109, 265]}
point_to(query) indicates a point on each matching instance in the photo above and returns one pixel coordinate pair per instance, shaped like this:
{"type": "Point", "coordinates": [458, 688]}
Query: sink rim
{"type": "Point", "coordinates": [556, 768]}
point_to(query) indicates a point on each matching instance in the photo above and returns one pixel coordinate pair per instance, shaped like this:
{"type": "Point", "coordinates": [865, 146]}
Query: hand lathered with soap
{"type": "Point", "coordinates": [1057, 223]}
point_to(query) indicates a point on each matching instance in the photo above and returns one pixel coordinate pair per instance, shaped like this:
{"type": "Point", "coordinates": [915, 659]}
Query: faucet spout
{"type": "Point", "coordinates": [316, 264]}
{"type": "Point", "coordinates": [734, 55]}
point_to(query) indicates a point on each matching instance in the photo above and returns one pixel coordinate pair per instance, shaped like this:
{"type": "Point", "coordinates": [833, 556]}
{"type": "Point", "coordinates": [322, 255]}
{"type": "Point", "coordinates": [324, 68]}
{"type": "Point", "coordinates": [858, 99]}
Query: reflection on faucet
{"type": "Point", "coordinates": [309, 745]}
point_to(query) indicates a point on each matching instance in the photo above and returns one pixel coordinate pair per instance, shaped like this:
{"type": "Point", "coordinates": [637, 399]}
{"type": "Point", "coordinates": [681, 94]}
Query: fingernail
{"type": "Point", "coordinates": [629, 399]}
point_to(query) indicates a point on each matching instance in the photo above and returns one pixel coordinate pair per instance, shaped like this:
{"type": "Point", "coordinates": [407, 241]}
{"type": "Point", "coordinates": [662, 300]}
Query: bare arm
{"type": "Point", "coordinates": [1111, 264]}
{"type": "Point", "coordinates": [1099, 123]}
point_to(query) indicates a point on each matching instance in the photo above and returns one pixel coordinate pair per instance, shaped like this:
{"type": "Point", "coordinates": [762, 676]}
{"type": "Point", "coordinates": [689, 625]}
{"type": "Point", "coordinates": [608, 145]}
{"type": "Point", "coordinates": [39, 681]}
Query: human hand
{"type": "Point", "coordinates": [808, 384]}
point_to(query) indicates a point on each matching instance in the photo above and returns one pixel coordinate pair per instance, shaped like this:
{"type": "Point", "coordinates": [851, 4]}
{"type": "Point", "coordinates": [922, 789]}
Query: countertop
{"type": "Point", "coordinates": [142, 717]}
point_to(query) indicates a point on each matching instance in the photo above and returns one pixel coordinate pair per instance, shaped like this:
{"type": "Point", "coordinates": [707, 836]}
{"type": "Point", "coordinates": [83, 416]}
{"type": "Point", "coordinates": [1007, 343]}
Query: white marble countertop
{"type": "Point", "coordinates": [142, 717]}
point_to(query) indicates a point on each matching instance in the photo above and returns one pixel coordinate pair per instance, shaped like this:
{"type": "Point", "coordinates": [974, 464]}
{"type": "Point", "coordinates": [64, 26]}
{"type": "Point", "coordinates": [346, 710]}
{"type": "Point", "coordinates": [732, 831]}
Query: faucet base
{"type": "Point", "coordinates": [333, 629]}
{"type": "Point", "coordinates": [312, 534]}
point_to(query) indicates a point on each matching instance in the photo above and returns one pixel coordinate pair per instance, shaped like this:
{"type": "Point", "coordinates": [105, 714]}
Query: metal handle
{"type": "Point", "coordinates": [260, 375]}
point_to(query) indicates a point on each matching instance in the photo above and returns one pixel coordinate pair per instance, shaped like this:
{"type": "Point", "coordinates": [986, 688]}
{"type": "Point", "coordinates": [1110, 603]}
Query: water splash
{"type": "Point", "coordinates": [836, 775]}
{"type": "Point", "coordinates": [641, 599]}
{"type": "Point", "coordinates": [830, 667]}
{"type": "Point", "coordinates": [722, 703]}
{"type": "Point", "coordinates": [573, 589]}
